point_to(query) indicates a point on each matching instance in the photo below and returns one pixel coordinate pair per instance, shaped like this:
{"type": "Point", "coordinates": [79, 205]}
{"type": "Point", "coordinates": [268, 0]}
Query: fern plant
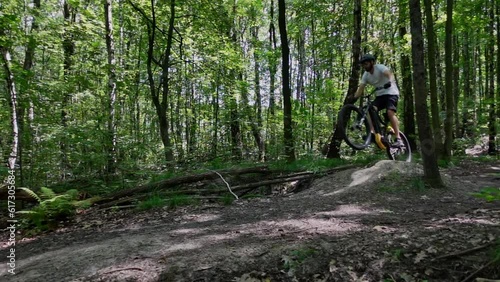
{"type": "Point", "coordinates": [51, 209]}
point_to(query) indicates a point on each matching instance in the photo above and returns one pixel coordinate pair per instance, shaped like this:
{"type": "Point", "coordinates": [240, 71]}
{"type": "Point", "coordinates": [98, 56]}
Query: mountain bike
{"type": "Point", "coordinates": [356, 129]}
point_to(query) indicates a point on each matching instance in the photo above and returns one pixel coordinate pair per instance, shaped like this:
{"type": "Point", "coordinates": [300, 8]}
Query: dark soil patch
{"type": "Point", "coordinates": [389, 228]}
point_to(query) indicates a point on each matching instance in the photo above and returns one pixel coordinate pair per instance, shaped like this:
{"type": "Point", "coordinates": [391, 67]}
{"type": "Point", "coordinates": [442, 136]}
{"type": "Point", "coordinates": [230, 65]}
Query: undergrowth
{"type": "Point", "coordinates": [51, 210]}
{"type": "Point", "coordinates": [172, 202]}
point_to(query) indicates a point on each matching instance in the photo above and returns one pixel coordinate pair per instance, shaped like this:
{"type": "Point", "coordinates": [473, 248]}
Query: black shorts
{"type": "Point", "coordinates": [389, 102]}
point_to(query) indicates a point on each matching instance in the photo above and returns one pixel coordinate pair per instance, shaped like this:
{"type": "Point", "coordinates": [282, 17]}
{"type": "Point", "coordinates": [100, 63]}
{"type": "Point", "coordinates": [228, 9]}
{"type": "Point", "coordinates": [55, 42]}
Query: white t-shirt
{"type": "Point", "coordinates": [378, 79]}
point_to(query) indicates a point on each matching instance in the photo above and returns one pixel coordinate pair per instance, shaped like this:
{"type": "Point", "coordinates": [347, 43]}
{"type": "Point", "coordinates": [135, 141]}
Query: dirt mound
{"type": "Point", "coordinates": [371, 224]}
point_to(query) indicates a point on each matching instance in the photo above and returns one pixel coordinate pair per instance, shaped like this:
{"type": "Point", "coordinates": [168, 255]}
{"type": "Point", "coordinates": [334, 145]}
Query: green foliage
{"type": "Point", "coordinates": [446, 163]}
{"type": "Point", "coordinates": [296, 257]}
{"type": "Point", "coordinates": [158, 201]}
{"type": "Point", "coordinates": [396, 254]}
{"type": "Point", "coordinates": [489, 194]}
{"type": "Point", "coordinates": [495, 253]}
{"type": "Point", "coordinates": [231, 44]}
{"type": "Point", "coordinates": [395, 182]}
{"type": "Point", "coordinates": [152, 202]}
{"type": "Point", "coordinates": [252, 196]}
{"type": "Point", "coordinates": [51, 209]}
{"type": "Point", "coordinates": [180, 200]}
{"type": "Point", "coordinates": [418, 183]}
{"type": "Point", "coordinates": [227, 199]}
{"type": "Point", "coordinates": [309, 163]}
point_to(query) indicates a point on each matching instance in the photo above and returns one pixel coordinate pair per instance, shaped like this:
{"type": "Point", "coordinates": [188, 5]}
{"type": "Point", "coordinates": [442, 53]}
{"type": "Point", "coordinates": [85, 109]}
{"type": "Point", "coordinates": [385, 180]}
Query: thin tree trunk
{"type": "Point", "coordinates": [448, 124]}
{"type": "Point", "coordinates": [110, 46]}
{"type": "Point", "coordinates": [161, 105]}
{"type": "Point", "coordinates": [336, 140]}
{"type": "Point", "coordinates": [257, 125]}
{"type": "Point", "coordinates": [456, 86]}
{"type": "Point", "coordinates": [69, 50]}
{"type": "Point", "coordinates": [215, 104]}
{"type": "Point", "coordinates": [467, 103]}
{"type": "Point", "coordinates": [287, 104]}
{"type": "Point", "coordinates": [491, 89]}
{"type": "Point", "coordinates": [300, 96]}
{"type": "Point", "coordinates": [164, 121]}
{"type": "Point", "coordinates": [11, 89]}
{"type": "Point", "coordinates": [431, 48]}
{"type": "Point", "coordinates": [431, 170]}
{"type": "Point", "coordinates": [137, 106]}
{"type": "Point", "coordinates": [409, 107]}
{"type": "Point", "coordinates": [29, 57]}
{"type": "Point", "coordinates": [273, 69]}
{"type": "Point", "coordinates": [234, 123]}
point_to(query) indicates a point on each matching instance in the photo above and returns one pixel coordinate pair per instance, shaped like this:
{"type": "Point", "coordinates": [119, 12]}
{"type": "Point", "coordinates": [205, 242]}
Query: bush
{"type": "Point", "coordinates": [51, 209]}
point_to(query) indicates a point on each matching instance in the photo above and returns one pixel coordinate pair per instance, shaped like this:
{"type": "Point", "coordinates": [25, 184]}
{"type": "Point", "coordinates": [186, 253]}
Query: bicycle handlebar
{"type": "Point", "coordinates": [386, 86]}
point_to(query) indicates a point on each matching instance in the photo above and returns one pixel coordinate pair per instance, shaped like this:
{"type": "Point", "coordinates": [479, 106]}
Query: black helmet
{"type": "Point", "coordinates": [366, 58]}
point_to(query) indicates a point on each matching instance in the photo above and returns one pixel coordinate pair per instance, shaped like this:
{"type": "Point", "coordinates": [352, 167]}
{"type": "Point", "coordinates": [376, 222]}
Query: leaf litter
{"type": "Point", "coordinates": [384, 229]}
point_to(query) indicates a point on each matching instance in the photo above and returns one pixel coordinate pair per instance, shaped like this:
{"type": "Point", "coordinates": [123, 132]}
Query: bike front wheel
{"type": "Point", "coordinates": [402, 153]}
{"type": "Point", "coordinates": [355, 127]}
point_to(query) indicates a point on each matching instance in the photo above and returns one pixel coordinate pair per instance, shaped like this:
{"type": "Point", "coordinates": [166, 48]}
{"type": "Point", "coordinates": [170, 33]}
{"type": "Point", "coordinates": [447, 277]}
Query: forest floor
{"type": "Point", "coordinates": [367, 224]}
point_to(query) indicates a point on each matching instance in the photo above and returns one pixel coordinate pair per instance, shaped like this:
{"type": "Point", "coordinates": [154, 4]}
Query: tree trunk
{"type": "Point", "coordinates": [29, 57]}
{"type": "Point", "coordinates": [431, 57]}
{"type": "Point", "coordinates": [456, 86]}
{"type": "Point", "coordinates": [234, 123]}
{"type": "Point", "coordinates": [215, 104]}
{"type": "Point", "coordinates": [164, 121]}
{"type": "Point", "coordinates": [69, 50]}
{"type": "Point", "coordinates": [409, 106]}
{"type": "Point", "coordinates": [257, 123]}
{"type": "Point", "coordinates": [110, 46]}
{"type": "Point", "coordinates": [491, 89]}
{"type": "Point", "coordinates": [497, 7]}
{"type": "Point", "coordinates": [336, 140]}
{"type": "Point", "coordinates": [300, 96]}
{"type": "Point", "coordinates": [467, 99]}
{"type": "Point", "coordinates": [161, 106]}
{"type": "Point", "coordinates": [431, 170]}
{"type": "Point", "coordinates": [448, 124]}
{"type": "Point", "coordinates": [11, 89]}
{"type": "Point", "coordinates": [287, 104]}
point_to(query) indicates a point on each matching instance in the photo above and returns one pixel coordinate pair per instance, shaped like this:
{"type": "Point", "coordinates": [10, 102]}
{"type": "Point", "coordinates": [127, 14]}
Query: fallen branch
{"type": "Point", "coordinates": [168, 183]}
{"type": "Point", "coordinates": [272, 181]}
{"type": "Point", "coordinates": [465, 252]}
{"type": "Point", "coordinates": [127, 196]}
{"type": "Point", "coordinates": [118, 207]}
{"type": "Point", "coordinates": [227, 184]}
{"type": "Point", "coordinates": [122, 269]}
{"type": "Point", "coordinates": [468, 278]}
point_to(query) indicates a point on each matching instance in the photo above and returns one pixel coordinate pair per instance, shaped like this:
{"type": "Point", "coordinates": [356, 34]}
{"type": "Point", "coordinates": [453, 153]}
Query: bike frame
{"type": "Point", "coordinates": [375, 120]}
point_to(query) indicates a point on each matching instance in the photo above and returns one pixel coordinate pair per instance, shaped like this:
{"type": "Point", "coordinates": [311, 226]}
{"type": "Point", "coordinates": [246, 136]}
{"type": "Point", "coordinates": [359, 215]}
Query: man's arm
{"type": "Point", "coordinates": [388, 73]}
{"type": "Point", "coordinates": [360, 90]}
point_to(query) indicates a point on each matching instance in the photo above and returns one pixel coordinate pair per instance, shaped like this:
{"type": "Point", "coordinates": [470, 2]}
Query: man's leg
{"type": "Point", "coordinates": [394, 121]}
{"type": "Point", "coordinates": [392, 103]}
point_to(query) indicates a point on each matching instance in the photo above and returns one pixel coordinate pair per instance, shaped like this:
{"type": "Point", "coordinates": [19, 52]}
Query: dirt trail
{"type": "Point", "coordinates": [388, 227]}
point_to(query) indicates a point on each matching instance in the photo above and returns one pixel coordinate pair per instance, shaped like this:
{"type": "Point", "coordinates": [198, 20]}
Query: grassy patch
{"type": "Point", "coordinates": [396, 254]}
{"type": "Point", "coordinates": [489, 194]}
{"type": "Point", "coordinates": [446, 163]}
{"type": "Point", "coordinates": [152, 202]}
{"type": "Point", "coordinates": [297, 257]}
{"type": "Point", "coordinates": [252, 196]}
{"type": "Point", "coordinates": [227, 199]}
{"type": "Point", "coordinates": [158, 201]}
{"type": "Point", "coordinates": [180, 200]}
{"type": "Point", "coordinates": [395, 182]}
{"type": "Point", "coordinates": [307, 163]}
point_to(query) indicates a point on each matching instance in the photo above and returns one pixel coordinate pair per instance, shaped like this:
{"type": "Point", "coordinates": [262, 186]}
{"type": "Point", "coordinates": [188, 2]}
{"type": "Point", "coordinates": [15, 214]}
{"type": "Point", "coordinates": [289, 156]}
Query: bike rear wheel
{"type": "Point", "coordinates": [402, 153]}
{"type": "Point", "coordinates": [354, 127]}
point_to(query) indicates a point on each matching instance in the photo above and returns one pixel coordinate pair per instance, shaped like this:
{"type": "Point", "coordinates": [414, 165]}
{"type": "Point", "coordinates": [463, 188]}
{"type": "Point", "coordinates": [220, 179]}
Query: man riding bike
{"type": "Point", "coordinates": [381, 77]}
